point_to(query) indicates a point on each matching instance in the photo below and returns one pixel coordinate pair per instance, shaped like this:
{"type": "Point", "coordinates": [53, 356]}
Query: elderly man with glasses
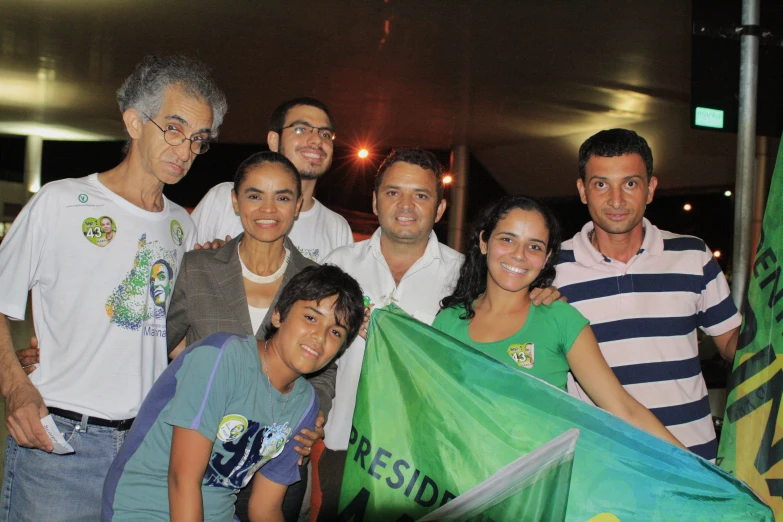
{"type": "Point", "coordinates": [101, 356]}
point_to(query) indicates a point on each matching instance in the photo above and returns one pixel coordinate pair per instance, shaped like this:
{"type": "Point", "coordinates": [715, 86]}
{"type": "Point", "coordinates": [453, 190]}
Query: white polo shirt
{"type": "Point", "coordinates": [430, 279]}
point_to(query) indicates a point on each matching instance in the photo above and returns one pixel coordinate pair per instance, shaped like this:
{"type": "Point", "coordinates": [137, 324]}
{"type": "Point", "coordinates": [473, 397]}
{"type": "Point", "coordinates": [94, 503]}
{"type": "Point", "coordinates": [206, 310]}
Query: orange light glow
{"type": "Point", "coordinates": [716, 253]}
{"type": "Point", "coordinates": [687, 207]}
{"type": "Point", "coordinates": [447, 179]}
{"type": "Point", "coordinates": [363, 153]}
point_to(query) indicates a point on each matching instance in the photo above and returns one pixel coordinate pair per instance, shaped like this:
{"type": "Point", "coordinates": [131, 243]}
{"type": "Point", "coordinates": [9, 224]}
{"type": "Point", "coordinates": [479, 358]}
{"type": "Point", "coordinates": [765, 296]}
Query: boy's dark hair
{"type": "Point", "coordinates": [472, 280]}
{"type": "Point", "coordinates": [612, 143]}
{"type": "Point", "coordinates": [260, 158]}
{"type": "Point", "coordinates": [277, 120]}
{"type": "Point", "coordinates": [418, 157]}
{"type": "Point", "coordinates": [315, 283]}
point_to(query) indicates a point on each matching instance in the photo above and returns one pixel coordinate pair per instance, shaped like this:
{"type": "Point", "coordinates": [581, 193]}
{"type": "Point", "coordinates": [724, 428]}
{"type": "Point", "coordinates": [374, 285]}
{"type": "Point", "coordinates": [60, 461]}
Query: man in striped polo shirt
{"type": "Point", "coordinates": [645, 290]}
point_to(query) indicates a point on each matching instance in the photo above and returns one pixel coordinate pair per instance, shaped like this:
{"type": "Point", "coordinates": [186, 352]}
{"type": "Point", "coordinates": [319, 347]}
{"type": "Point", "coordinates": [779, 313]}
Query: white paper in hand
{"type": "Point", "coordinates": [61, 447]}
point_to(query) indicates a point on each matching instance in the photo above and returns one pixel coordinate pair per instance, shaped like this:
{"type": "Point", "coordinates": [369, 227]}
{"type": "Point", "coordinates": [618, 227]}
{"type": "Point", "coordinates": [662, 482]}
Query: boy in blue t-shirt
{"type": "Point", "coordinates": [227, 407]}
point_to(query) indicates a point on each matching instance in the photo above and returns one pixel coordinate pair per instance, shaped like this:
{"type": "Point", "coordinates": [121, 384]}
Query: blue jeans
{"type": "Point", "coordinates": [40, 486]}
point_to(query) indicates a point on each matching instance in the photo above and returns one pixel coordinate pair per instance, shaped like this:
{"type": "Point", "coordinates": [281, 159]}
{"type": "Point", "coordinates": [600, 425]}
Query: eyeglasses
{"type": "Point", "coordinates": [175, 138]}
{"type": "Point", "coordinates": [300, 129]}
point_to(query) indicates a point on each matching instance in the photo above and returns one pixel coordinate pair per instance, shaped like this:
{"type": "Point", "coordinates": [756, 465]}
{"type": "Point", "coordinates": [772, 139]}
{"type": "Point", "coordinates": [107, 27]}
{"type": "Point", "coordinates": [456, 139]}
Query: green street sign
{"type": "Point", "coordinates": [712, 118]}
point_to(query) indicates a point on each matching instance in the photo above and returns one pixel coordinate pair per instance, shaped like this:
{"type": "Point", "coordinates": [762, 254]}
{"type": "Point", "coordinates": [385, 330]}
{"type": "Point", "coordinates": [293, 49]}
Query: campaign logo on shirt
{"type": "Point", "coordinates": [523, 354]}
{"type": "Point", "coordinates": [144, 292]}
{"type": "Point", "coordinates": [275, 438]}
{"type": "Point", "coordinates": [234, 462]}
{"type": "Point", "coordinates": [231, 427]}
{"type": "Point", "coordinates": [176, 232]}
{"type": "Point", "coordinates": [99, 231]}
{"type": "Point", "coordinates": [83, 198]}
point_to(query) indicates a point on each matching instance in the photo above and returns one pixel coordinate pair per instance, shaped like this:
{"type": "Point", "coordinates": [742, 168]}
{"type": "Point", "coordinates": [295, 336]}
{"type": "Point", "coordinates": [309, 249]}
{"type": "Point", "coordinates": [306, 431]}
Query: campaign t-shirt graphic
{"type": "Point", "coordinates": [234, 461]}
{"type": "Point", "coordinates": [144, 292]}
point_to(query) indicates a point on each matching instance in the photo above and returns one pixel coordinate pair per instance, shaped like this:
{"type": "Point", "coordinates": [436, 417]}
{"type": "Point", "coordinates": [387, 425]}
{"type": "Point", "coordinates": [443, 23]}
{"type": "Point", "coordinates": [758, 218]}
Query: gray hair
{"type": "Point", "coordinates": [143, 90]}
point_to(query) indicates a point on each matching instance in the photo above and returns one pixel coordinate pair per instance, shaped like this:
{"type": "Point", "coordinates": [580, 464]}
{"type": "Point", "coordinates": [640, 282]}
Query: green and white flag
{"type": "Point", "coordinates": [435, 418]}
{"type": "Point", "coordinates": [533, 487]}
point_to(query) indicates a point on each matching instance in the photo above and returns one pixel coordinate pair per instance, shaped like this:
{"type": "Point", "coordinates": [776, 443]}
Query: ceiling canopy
{"type": "Point", "coordinates": [521, 83]}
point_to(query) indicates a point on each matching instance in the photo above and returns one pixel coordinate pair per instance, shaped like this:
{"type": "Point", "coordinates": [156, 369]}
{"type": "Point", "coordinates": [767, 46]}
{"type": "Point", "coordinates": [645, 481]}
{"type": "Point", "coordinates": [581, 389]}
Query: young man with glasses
{"type": "Point", "coordinates": [302, 130]}
{"type": "Point", "coordinates": [101, 355]}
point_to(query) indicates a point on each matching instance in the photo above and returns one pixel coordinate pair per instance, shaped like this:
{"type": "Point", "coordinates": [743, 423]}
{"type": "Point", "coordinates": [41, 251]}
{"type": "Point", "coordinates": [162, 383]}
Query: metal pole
{"type": "Point", "coordinates": [32, 164]}
{"type": "Point", "coordinates": [460, 157]}
{"type": "Point", "coordinates": [746, 141]}
{"type": "Point", "coordinates": [760, 192]}
{"type": "Point", "coordinates": [459, 187]}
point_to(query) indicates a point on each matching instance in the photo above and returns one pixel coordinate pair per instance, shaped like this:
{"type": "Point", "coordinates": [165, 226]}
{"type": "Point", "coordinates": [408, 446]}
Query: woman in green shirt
{"type": "Point", "coordinates": [513, 250]}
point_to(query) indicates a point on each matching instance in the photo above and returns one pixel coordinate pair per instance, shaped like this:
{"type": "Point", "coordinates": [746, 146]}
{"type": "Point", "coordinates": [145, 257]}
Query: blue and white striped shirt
{"type": "Point", "coordinates": [645, 314]}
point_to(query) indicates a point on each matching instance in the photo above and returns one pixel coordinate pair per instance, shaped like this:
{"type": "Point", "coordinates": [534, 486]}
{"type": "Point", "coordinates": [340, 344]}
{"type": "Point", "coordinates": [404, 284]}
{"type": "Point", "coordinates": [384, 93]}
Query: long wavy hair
{"type": "Point", "coordinates": [473, 274]}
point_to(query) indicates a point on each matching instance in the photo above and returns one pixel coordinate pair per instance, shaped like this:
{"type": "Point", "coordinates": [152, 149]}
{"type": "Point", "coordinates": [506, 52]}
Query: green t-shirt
{"type": "Point", "coordinates": [218, 388]}
{"type": "Point", "coordinates": [539, 348]}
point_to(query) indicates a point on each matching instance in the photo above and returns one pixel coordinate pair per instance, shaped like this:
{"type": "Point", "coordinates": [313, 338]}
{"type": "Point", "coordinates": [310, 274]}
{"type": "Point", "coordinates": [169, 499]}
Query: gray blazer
{"type": "Point", "coordinates": [209, 297]}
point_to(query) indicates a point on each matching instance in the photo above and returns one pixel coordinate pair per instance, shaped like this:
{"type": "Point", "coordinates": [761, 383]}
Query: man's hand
{"type": "Point", "coordinates": [546, 296]}
{"type": "Point", "coordinates": [211, 245]}
{"type": "Point", "coordinates": [24, 409]}
{"type": "Point", "coordinates": [29, 357]}
{"type": "Point", "coordinates": [366, 322]}
{"type": "Point", "coordinates": [307, 437]}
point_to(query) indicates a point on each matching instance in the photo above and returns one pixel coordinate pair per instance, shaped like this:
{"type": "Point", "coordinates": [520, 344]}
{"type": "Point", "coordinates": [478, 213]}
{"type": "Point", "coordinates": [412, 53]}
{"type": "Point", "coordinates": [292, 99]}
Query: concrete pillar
{"type": "Point", "coordinates": [460, 159]}
{"type": "Point", "coordinates": [32, 164]}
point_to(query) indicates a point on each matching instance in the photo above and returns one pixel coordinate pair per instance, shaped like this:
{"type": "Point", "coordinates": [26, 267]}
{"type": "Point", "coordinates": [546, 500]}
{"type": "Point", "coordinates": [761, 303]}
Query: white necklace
{"type": "Point", "coordinates": [263, 280]}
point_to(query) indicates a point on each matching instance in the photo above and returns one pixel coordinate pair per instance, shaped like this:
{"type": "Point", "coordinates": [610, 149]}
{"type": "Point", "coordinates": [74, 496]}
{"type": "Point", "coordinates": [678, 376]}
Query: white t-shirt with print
{"type": "Point", "coordinates": [315, 233]}
{"type": "Point", "coordinates": [99, 299]}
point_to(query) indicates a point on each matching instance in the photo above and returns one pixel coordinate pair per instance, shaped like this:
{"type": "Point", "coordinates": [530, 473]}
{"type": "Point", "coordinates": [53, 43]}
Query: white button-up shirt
{"type": "Point", "coordinates": [430, 279]}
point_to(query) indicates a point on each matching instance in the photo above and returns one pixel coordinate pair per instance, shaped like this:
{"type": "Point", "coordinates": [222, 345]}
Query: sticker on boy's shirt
{"type": "Point", "coordinates": [99, 231]}
{"type": "Point", "coordinates": [176, 232]}
{"type": "Point", "coordinates": [523, 354]}
{"type": "Point", "coordinates": [275, 438]}
{"type": "Point", "coordinates": [231, 427]}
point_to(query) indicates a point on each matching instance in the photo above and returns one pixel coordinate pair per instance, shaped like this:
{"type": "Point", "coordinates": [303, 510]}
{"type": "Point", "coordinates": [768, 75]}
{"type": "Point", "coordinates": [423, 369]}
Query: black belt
{"type": "Point", "coordinates": [119, 425]}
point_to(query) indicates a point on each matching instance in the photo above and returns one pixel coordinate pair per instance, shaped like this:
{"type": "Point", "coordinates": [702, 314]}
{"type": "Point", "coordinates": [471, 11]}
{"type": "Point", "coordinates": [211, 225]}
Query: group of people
{"type": "Point", "coordinates": [263, 285]}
